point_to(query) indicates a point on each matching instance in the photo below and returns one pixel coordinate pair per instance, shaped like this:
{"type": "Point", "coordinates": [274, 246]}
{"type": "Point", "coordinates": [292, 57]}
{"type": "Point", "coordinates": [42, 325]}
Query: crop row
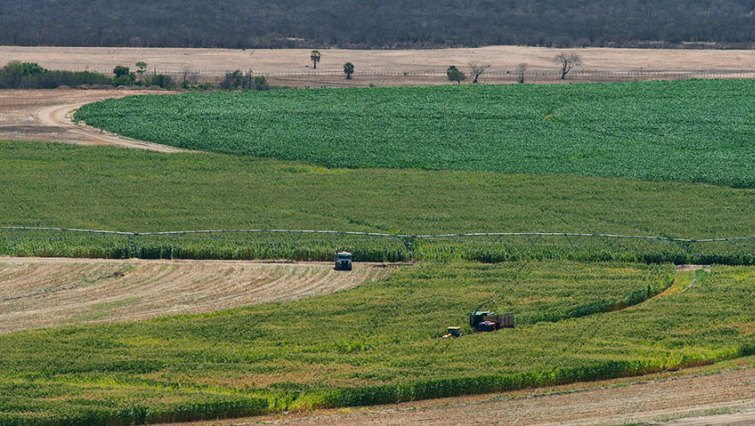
{"type": "Point", "coordinates": [104, 188]}
{"type": "Point", "coordinates": [321, 247]}
{"type": "Point", "coordinates": [381, 342]}
{"type": "Point", "coordinates": [694, 131]}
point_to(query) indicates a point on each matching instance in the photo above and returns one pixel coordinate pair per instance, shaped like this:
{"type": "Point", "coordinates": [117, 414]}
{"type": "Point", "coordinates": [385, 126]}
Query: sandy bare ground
{"type": "Point", "coordinates": [44, 292]}
{"type": "Point", "coordinates": [690, 397]}
{"type": "Point", "coordinates": [385, 67]}
{"type": "Point", "coordinates": [46, 115]}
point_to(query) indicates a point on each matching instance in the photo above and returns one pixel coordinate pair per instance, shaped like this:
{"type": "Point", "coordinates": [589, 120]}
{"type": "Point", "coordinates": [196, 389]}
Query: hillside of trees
{"type": "Point", "coordinates": [377, 23]}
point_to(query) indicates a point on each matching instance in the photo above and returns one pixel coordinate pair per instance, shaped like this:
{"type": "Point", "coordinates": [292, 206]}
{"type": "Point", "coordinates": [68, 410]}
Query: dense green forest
{"type": "Point", "coordinates": [378, 24]}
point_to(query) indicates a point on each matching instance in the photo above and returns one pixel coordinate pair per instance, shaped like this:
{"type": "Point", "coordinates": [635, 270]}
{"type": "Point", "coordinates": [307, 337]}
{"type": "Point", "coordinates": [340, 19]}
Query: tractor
{"type": "Point", "coordinates": [481, 320]}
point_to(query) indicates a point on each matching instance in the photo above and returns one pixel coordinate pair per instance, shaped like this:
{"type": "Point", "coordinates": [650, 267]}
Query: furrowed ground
{"type": "Point", "coordinates": [694, 131]}
{"type": "Point", "coordinates": [381, 343]}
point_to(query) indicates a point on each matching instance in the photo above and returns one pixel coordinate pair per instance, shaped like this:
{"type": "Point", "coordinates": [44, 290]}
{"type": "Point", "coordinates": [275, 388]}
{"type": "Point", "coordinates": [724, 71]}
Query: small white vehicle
{"type": "Point", "coordinates": [343, 261]}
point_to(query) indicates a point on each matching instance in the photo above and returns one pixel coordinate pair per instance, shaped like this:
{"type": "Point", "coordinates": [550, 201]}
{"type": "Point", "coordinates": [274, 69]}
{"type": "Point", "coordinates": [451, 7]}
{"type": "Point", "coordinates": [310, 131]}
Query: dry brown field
{"type": "Point", "coordinates": [47, 292]}
{"type": "Point", "coordinates": [393, 67]}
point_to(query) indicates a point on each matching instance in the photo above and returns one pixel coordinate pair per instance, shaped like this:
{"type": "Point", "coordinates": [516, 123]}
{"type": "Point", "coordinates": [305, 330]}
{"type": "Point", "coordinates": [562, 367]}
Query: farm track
{"type": "Point", "coordinates": [37, 293]}
{"type": "Point", "coordinates": [62, 116]}
{"type": "Point", "coordinates": [46, 115]}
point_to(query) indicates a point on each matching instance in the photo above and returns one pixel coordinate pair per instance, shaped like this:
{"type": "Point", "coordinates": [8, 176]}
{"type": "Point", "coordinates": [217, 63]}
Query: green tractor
{"type": "Point", "coordinates": [481, 320]}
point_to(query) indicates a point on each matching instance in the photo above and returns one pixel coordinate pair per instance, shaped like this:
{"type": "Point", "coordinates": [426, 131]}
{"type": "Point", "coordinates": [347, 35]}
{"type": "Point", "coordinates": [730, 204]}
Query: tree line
{"type": "Point", "coordinates": [30, 75]}
{"type": "Point", "coordinates": [379, 24]}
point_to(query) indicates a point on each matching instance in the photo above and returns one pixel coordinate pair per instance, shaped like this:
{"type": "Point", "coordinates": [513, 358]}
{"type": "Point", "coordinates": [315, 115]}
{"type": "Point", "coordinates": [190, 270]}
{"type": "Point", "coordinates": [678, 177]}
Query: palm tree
{"type": "Point", "coordinates": [315, 57]}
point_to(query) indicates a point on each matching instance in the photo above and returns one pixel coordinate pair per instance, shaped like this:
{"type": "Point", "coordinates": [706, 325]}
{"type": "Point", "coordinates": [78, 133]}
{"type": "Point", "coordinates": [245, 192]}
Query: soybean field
{"type": "Point", "coordinates": [693, 131]}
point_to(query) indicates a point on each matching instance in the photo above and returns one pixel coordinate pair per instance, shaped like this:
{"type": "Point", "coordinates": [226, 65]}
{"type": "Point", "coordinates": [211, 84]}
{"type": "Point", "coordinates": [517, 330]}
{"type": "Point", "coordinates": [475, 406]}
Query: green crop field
{"type": "Point", "coordinates": [380, 343]}
{"type": "Point", "coordinates": [126, 190]}
{"type": "Point", "coordinates": [674, 160]}
{"type": "Point", "coordinates": [695, 131]}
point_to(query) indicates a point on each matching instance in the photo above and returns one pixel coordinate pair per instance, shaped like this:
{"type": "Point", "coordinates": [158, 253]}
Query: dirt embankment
{"type": "Point", "coordinates": [36, 292]}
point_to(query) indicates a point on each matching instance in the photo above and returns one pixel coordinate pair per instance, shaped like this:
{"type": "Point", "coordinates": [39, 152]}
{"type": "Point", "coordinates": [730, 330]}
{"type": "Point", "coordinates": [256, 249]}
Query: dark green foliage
{"type": "Point", "coordinates": [160, 80]}
{"type": "Point", "coordinates": [348, 69]}
{"type": "Point", "coordinates": [123, 76]}
{"type": "Point", "coordinates": [694, 131]}
{"type": "Point", "coordinates": [232, 80]}
{"type": "Point", "coordinates": [121, 71]}
{"type": "Point", "coordinates": [260, 83]}
{"type": "Point", "coordinates": [455, 75]}
{"type": "Point", "coordinates": [383, 24]}
{"type": "Point", "coordinates": [17, 75]}
{"type": "Point", "coordinates": [239, 80]}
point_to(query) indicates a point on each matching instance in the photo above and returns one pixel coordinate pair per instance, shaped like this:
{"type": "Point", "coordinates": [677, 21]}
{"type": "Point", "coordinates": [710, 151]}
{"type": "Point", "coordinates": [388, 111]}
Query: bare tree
{"type": "Point", "coordinates": [521, 70]}
{"type": "Point", "coordinates": [567, 61]}
{"type": "Point", "coordinates": [478, 69]}
{"type": "Point", "coordinates": [315, 57]}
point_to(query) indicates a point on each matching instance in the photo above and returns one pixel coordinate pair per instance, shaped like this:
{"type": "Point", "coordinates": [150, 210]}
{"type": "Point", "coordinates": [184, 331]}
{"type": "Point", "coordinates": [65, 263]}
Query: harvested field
{"type": "Point", "coordinates": [387, 67]}
{"type": "Point", "coordinates": [690, 397]}
{"type": "Point", "coordinates": [36, 293]}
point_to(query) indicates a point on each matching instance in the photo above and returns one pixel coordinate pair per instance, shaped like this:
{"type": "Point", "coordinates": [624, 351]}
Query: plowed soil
{"type": "Point", "coordinates": [37, 293]}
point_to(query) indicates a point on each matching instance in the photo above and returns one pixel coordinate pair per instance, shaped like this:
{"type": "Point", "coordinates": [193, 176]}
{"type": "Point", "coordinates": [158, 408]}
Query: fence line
{"type": "Point", "coordinates": [441, 73]}
{"type": "Point", "coordinates": [384, 235]}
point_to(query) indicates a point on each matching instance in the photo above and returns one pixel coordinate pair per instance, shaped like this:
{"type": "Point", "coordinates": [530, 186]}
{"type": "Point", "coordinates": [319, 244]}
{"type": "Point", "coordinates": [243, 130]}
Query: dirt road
{"type": "Point", "coordinates": [44, 292]}
{"type": "Point", "coordinates": [691, 397]}
{"type": "Point", "coordinates": [45, 115]}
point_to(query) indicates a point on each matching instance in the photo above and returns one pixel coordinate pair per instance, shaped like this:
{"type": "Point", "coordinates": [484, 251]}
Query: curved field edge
{"type": "Point", "coordinates": [41, 292]}
{"type": "Point", "coordinates": [124, 190]}
{"type": "Point", "coordinates": [694, 131]}
{"type": "Point", "coordinates": [388, 349]}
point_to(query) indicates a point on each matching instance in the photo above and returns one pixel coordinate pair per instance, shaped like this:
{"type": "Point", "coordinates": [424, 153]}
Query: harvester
{"type": "Point", "coordinates": [481, 320]}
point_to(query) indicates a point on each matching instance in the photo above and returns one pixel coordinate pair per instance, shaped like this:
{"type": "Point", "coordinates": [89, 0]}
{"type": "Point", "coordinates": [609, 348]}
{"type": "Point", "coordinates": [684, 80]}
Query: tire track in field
{"type": "Point", "coordinates": [61, 116]}
{"type": "Point", "coordinates": [44, 292]}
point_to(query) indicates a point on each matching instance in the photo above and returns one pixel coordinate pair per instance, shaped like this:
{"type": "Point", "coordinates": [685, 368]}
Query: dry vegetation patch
{"type": "Point", "coordinates": [37, 292]}
{"type": "Point", "coordinates": [382, 67]}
